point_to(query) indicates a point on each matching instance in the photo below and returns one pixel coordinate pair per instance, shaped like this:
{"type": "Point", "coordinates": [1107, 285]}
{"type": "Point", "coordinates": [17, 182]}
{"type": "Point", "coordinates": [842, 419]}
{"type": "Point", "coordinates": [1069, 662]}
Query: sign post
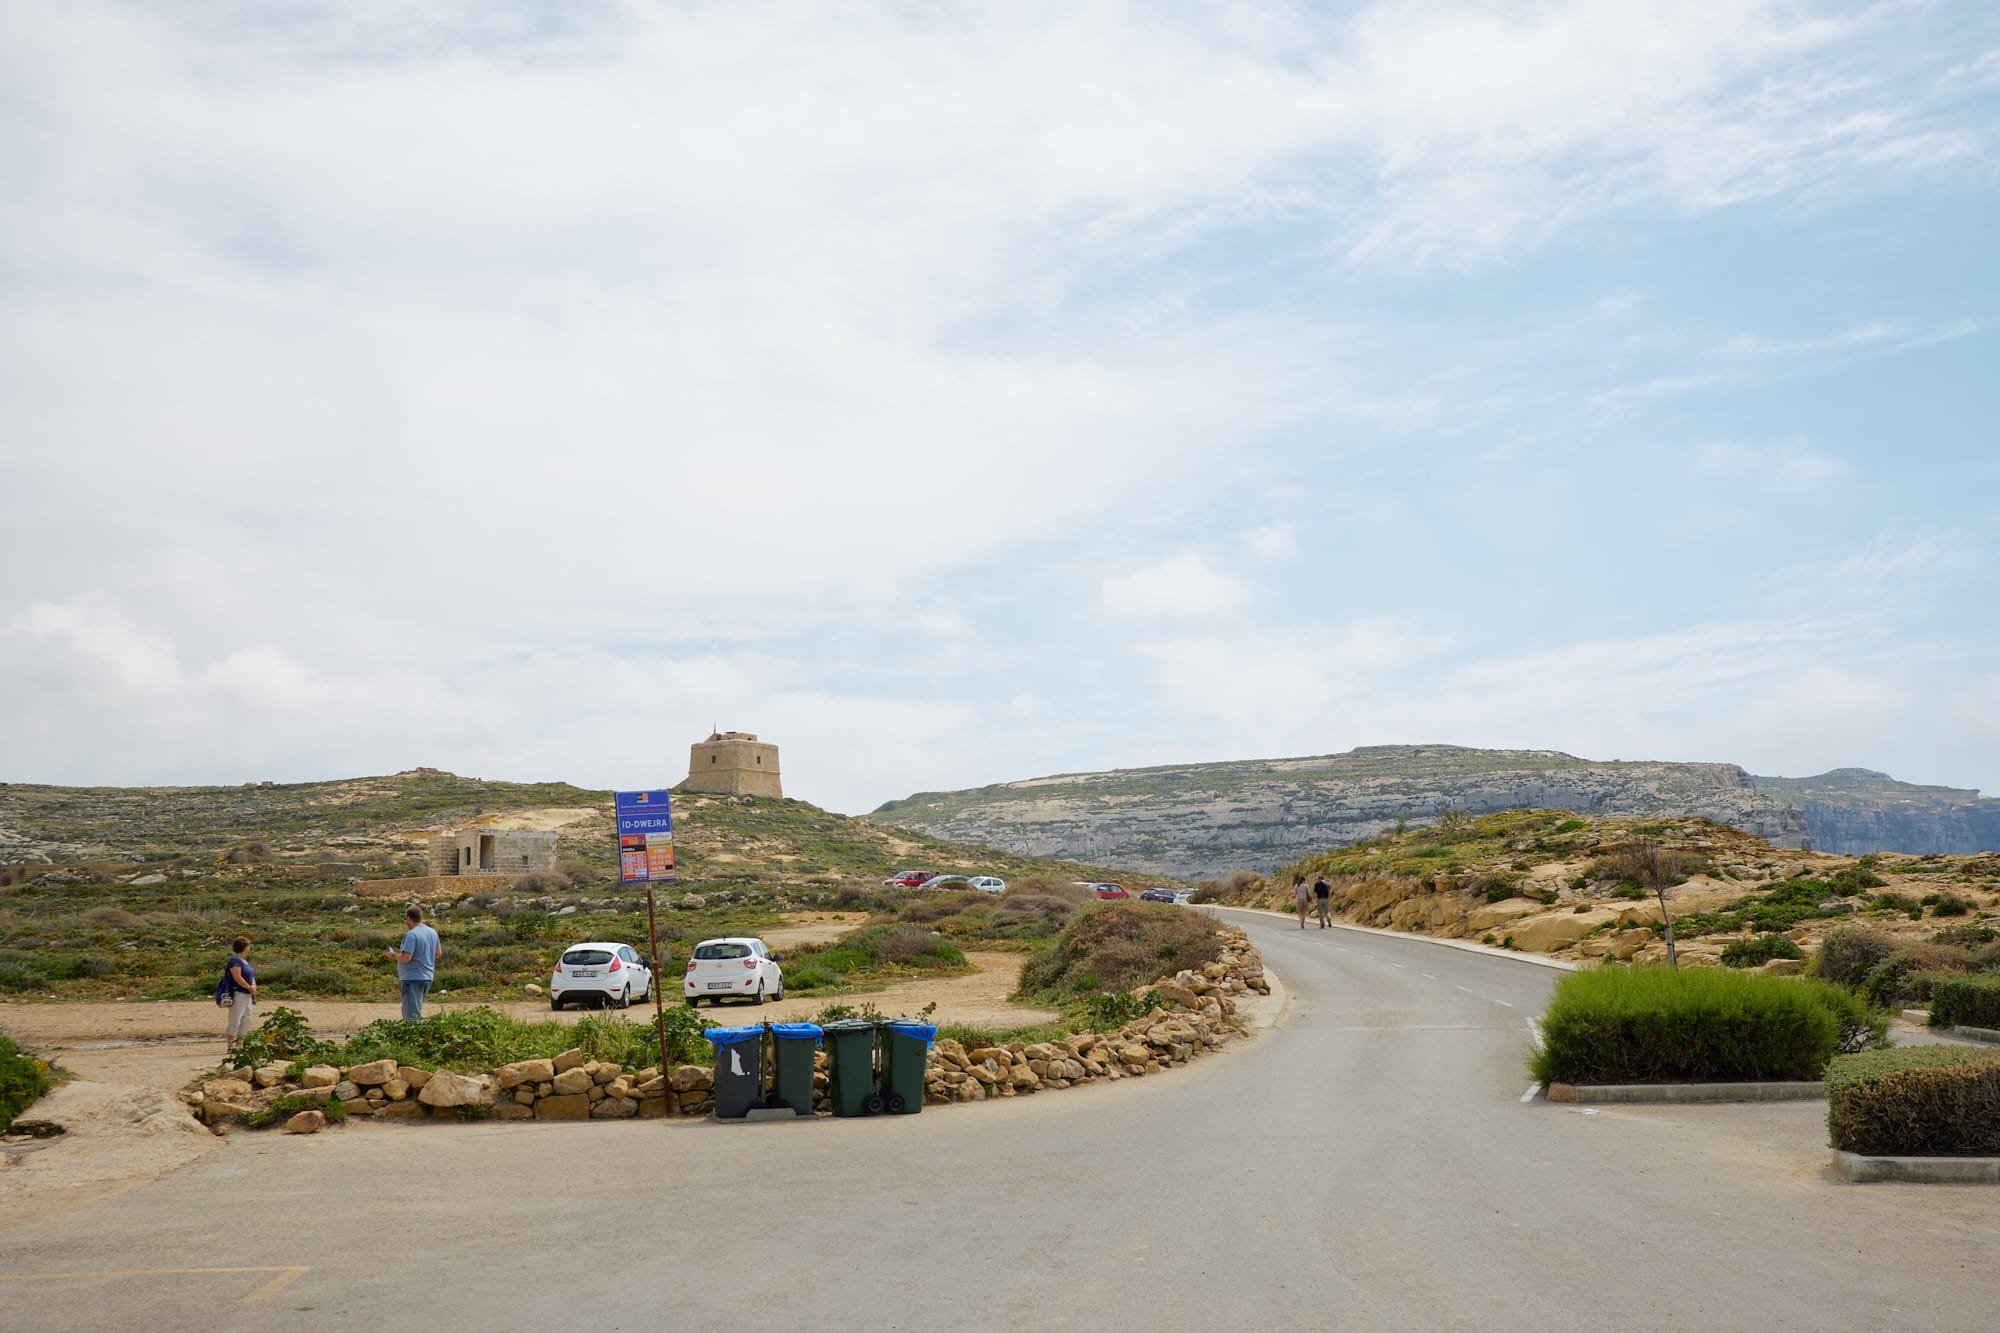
{"type": "Point", "coordinates": [646, 856]}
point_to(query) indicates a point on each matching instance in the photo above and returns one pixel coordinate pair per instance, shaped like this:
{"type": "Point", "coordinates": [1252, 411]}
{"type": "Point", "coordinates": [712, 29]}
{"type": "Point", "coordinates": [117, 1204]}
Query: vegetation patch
{"type": "Point", "coordinates": [1849, 953]}
{"type": "Point", "coordinates": [1758, 950]}
{"type": "Point", "coordinates": [280, 1109]}
{"type": "Point", "coordinates": [471, 1041]}
{"type": "Point", "coordinates": [1915, 1101]}
{"type": "Point", "coordinates": [1115, 946]}
{"type": "Point", "coordinates": [1696, 1025]}
{"type": "Point", "coordinates": [23, 1079]}
{"type": "Point", "coordinates": [1972, 1002]}
{"type": "Point", "coordinates": [1905, 976]}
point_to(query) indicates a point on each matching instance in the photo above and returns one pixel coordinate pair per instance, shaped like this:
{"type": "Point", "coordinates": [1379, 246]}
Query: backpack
{"type": "Point", "coordinates": [225, 990]}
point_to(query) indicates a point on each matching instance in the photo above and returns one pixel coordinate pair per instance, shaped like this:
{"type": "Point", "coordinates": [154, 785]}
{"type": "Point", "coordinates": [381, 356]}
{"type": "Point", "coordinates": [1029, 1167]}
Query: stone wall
{"type": "Point", "coordinates": [1195, 1012]}
{"type": "Point", "coordinates": [422, 888]}
{"type": "Point", "coordinates": [492, 852]}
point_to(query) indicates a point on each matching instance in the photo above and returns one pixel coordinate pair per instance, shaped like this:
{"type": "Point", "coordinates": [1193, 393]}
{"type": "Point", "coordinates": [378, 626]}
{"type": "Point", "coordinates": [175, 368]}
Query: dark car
{"type": "Point", "coordinates": [1157, 896]}
{"type": "Point", "coordinates": [1111, 891]}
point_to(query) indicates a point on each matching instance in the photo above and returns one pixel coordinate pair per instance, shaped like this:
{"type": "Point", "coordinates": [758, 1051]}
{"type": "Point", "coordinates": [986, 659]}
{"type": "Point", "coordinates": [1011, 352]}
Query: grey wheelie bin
{"type": "Point", "coordinates": [739, 1070]}
{"type": "Point", "coordinates": [905, 1044]}
{"type": "Point", "coordinates": [850, 1053]}
{"type": "Point", "coordinates": [793, 1046]}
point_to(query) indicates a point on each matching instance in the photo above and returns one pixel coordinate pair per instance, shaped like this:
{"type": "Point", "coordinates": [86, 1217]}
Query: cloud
{"type": "Point", "coordinates": [1274, 541]}
{"type": "Point", "coordinates": [1185, 585]}
{"type": "Point", "coordinates": [1788, 464]}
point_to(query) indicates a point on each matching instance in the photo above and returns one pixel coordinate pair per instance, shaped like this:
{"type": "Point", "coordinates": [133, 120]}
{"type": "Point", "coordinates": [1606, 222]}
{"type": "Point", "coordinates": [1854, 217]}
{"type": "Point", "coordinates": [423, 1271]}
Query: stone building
{"type": "Point", "coordinates": [492, 852]}
{"type": "Point", "coordinates": [735, 762]}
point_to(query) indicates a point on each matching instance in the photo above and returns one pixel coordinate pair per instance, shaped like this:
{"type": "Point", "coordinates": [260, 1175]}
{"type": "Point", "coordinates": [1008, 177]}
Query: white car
{"type": "Point", "coordinates": [988, 884]}
{"type": "Point", "coordinates": [610, 973]}
{"type": "Point", "coordinates": [736, 968]}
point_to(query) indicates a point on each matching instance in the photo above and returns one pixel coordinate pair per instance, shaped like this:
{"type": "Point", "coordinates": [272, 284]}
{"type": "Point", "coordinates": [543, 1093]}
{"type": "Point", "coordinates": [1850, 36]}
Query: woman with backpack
{"type": "Point", "coordinates": [238, 989]}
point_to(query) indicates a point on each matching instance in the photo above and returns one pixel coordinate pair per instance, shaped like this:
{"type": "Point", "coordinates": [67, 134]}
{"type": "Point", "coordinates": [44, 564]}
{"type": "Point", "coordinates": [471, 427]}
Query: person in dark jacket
{"type": "Point", "coordinates": [242, 992]}
{"type": "Point", "coordinates": [1323, 896]}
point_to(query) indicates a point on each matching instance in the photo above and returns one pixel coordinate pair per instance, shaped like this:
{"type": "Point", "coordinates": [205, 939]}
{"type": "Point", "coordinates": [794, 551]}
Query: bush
{"type": "Point", "coordinates": [1947, 904]}
{"type": "Point", "coordinates": [1915, 1101]}
{"type": "Point", "coordinates": [1114, 946]}
{"type": "Point", "coordinates": [1849, 953]}
{"type": "Point", "coordinates": [1969, 935]}
{"type": "Point", "coordinates": [284, 1036]}
{"type": "Point", "coordinates": [1758, 950]}
{"type": "Point", "coordinates": [1665, 1025]}
{"type": "Point", "coordinates": [1856, 878]}
{"type": "Point", "coordinates": [1973, 1002]}
{"type": "Point", "coordinates": [23, 1079]}
{"type": "Point", "coordinates": [280, 1109]}
{"type": "Point", "coordinates": [475, 1040]}
{"type": "Point", "coordinates": [1105, 1012]}
{"type": "Point", "coordinates": [1904, 977]}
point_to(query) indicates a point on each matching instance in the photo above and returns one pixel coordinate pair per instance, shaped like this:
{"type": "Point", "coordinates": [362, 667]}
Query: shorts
{"type": "Point", "coordinates": [240, 1006]}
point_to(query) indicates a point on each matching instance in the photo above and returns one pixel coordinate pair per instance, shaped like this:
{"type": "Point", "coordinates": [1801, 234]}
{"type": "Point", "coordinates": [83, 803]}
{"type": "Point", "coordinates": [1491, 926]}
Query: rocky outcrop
{"type": "Point", "coordinates": [1208, 819]}
{"type": "Point", "coordinates": [1855, 811]}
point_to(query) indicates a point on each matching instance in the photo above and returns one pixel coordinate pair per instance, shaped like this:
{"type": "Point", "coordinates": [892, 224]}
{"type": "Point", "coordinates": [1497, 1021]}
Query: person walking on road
{"type": "Point", "coordinates": [416, 963]}
{"type": "Point", "coordinates": [1304, 895]}
{"type": "Point", "coordinates": [242, 983]}
{"type": "Point", "coordinates": [1323, 895]}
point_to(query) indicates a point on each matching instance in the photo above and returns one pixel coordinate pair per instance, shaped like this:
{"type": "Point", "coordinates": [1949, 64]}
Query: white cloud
{"type": "Point", "coordinates": [1274, 541]}
{"type": "Point", "coordinates": [1788, 464]}
{"type": "Point", "coordinates": [1185, 585]}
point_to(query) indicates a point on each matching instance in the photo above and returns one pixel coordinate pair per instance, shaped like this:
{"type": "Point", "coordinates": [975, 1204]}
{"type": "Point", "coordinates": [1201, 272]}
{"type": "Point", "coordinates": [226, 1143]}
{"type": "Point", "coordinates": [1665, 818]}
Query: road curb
{"type": "Point", "coordinates": [1990, 1035]}
{"type": "Point", "coordinates": [1684, 1093]}
{"type": "Point", "coordinates": [1862, 1170]}
{"type": "Point", "coordinates": [1465, 946]}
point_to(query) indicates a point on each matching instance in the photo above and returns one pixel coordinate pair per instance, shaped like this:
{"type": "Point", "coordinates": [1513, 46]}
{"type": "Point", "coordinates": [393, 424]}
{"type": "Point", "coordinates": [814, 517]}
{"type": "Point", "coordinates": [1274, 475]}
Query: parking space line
{"type": "Point", "coordinates": [1506, 1003]}
{"type": "Point", "coordinates": [285, 1276]}
{"type": "Point", "coordinates": [1395, 965]}
{"type": "Point", "coordinates": [1429, 977]}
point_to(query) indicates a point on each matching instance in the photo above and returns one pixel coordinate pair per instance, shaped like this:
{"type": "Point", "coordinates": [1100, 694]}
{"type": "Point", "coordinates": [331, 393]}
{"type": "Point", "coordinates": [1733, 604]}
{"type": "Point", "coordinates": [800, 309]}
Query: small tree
{"type": "Point", "coordinates": [1656, 869]}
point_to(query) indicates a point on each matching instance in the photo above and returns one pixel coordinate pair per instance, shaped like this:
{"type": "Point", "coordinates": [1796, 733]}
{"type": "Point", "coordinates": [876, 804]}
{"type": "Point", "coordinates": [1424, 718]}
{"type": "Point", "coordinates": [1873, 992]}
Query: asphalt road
{"type": "Point", "coordinates": [1368, 1164]}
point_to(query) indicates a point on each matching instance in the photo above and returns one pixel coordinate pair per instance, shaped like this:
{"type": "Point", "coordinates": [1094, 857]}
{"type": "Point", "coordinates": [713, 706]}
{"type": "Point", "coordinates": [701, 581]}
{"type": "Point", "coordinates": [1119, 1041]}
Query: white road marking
{"type": "Point", "coordinates": [1367, 955]}
{"type": "Point", "coordinates": [1503, 1002]}
{"type": "Point", "coordinates": [1395, 965]}
{"type": "Point", "coordinates": [1428, 975]}
{"type": "Point", "coordinates": [1466, 989]}
{"type": "Point", "coordinates": [1529, 1095]}
{"type": "Point", "coordinates": [1534, 1033]}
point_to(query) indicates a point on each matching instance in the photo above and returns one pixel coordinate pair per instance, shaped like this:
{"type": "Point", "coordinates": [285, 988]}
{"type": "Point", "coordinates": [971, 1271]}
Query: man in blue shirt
{"type": "Point", "coordinates": [416, 963]}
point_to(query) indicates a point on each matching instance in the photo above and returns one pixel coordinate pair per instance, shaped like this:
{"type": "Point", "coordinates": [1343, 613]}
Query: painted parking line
{"type": "Point", "coordinates": [1534, 1032]}
{"type": "Point", "coordinates": [1395, 965]}
{"type": "Point", "coordinates": [1429, 977]}
{"type": "Point", "coordinates": [283, 1276]}
{"type": "Point", "coordinates": [1466, 989]}
{"type": "Point", "coordinates": [1507, 1003]}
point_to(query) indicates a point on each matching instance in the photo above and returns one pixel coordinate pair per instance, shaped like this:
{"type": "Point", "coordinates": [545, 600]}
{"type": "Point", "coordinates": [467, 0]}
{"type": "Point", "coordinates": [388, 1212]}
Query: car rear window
{"type": "Point", "coordinates": [587, 957]}
{"type": "Point", "coordinates": [723, 951]}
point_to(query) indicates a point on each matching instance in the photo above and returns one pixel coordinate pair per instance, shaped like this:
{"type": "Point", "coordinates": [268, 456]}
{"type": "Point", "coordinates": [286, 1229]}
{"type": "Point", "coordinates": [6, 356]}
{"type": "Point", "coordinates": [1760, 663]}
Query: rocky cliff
{"type": "Point", "coordinates": [1208, 819]}
{"type": "Point", "coordinates": [1854, 811]}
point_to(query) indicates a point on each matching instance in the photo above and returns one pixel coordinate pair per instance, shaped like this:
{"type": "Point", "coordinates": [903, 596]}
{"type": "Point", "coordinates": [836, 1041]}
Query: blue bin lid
{"type": "Point", "coordinates": [921, 1031]}
{"type": "Point", "coordinates": [796, 1031]}
{"type": "Point", "coordinates": [734, 1036]}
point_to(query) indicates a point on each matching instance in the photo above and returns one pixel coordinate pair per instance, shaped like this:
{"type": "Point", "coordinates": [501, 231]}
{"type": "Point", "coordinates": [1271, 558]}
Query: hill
{"type": "Point", "coordinates": [1209, 819]}
{"type": "Point", "coordinates": [135, 892]}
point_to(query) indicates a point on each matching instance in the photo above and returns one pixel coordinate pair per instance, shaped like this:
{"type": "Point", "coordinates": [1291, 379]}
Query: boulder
{"type": "Point", "coordinates": [691, 1078]}
{"type": "Point", "coordinates": [269, 1076]}
{"type": "Point", "coordinates": [320, 1076]}
{"type": "Point", "coordinates": [532, 989]}
{"type": "Point", "coordinates": [572, 1081]}
{"type": "Point", "coordinates": [568, 1060]}
{"type": "Point", "coordinates": [513, 1111]}
{"type": "Point", "coordinates": [404, 1110]}
{"type": "Point", "coordinates": [416, 1078]}
{"type": "Point", "coordinates": [447, 1089]}
{"type": "Point", "coordinates": [526, 1071]}
{"type": "Point", "coordinates": [395, 1089]}
{"type": "Point", "coordinates": [358, 1106]}
{"type": "Point", "coordinates": [215, 1111]}
{"type": "Point", "coordinates": [613, 1108]}
{"type": "Point", "coordinates": [373, 1074]}
{"type": "Point", "coordinates": [1555, 932]}
{"type": "Point", "coordinates": [226, 1090]}
{"type": "Point", "coordinates": [306, 1122]}
{"type": "Point", "coordinates": [346, 1090]}
{"type": "Point", "coordinates": [606, 1072]}
{"type": "Point", "coordinates": [573, 1107]}
{"type": "Point", "coordinates": [1783, 967]}
{"type": "Point", "coordinates": [524, 1095]}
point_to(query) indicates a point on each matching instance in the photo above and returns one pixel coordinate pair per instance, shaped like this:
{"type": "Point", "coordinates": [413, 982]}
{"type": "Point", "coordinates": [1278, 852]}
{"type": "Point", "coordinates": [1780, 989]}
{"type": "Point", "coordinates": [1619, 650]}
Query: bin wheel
{"type": "Point", "coordinates": [873, 1106]}
{"type": "Point", "coordinates": [896, 1104]}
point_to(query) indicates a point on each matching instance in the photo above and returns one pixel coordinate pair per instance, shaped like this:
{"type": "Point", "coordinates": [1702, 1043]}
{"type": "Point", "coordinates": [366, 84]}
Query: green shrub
{"type": "Point", "coordinates": [1104, 1012]}
{"type": "Point", "coordinates": [1662, 1025]}
{"type": "Point", "coordinates": [280, 1109]}
{"type": "Point", "coordinates": [23, 1079]}
{"type": "Point", "coordinates": [1915, 1101]}
{"type": "Point", "coordinates": [1758, 950]}
{"type": "Point", "coordinates": [1114, 946]}
{"type": "Point", "coordinates": [1856, 878]}
{"type": "Point", "coordinates": [1948, 904]}
{"type": "Point", "coordinates": [284, 1036]}
{"type": "Point", "coordinates": [1628, 890]}
{"type": "Point", "coordinates": [1903, 978]}
{"type": "Point", "coordinates": [1967, 935]}
{"type": "Point", "coordinates": [1849, 953]}
{"type": "Point", "coordinates": [475, 1040]}
{"type": "Point", "coordinates": [1969, 1001]}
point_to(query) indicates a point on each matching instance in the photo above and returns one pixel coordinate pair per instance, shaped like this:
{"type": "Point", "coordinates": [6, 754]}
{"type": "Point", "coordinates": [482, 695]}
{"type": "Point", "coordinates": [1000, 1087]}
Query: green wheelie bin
{"type": "Point", "coordinates": [794, 1045]}
{"type": "Point", "coordinates": [739, 1070]}
{"type": "Point", "coordinates": [850, 1051]}
{"type": "Point", "coordinates": [905, 1044]}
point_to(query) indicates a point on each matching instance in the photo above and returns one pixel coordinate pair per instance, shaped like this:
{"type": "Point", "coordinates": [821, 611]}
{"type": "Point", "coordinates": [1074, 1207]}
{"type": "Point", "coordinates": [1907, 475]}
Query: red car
{"type": "Point", "coordinates": [909, 879]}
{"type": "Point", "coordinates": [1111, 891]}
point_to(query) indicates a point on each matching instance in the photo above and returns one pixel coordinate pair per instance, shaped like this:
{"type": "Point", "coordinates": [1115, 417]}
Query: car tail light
{"type": "Point", "coordinates": [558, 967]}
{"type": "Point", "coordinates": [749, 962]}
{"type": "Point", "coordinates": [616, 963]}
{"type": "Point", "coordinates": [690, 966]}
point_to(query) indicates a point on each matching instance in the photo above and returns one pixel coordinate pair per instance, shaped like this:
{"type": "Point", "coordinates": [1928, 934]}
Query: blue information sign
{"type": "Point", "coordinates": [645, 837]}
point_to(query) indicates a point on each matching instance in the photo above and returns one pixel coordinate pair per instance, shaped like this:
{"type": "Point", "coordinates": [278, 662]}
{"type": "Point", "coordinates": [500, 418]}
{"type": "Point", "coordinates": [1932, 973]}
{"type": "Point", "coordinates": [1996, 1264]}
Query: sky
{"type": "Point", "coordinates": [956, 393]}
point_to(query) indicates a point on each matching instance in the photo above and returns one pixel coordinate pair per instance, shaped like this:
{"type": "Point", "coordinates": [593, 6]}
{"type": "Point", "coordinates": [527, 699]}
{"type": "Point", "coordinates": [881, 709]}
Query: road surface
{"type": "Point", "coordinates": [1367, 1164]}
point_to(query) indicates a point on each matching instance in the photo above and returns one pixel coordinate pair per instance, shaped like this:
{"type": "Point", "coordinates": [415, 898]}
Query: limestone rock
{"type": "Point", "coordinates": [395, 1089]}
{"type": "Point", "coordinates": [215, 1111]}
{"type": "Point", "coordinates": [306, 1122]}
{"type": "Point", "coordinates": [568, 1060]}
{"type": "Point", "coordinates": [513, 1111]}
{"type": "Point", "coordinates": [416, 1078]}
{"type": "Point", "coordinates": [447, 1089]}
{"type": "Point", "coordinates": [373, 1074]}
{"type": "Point", "coordinates": [572, 1081]}
{"type": "Point", "coordinates": [269, 1076]}
{"type": "Point", "coordinates": [346, 1090]}
{"type": "Point", "coordinates": [226, 1090]}
{"type": "Point", "coordinates": [404, 1110]}
{"type": "Point", "coordinates": [526, 1071]}
{"type": "Point", "coordinates": [320, 1076]}
{"type": "Point", "coordinates": [573, 1107]}
{"type": "Point", "coordinates": [613, 1108]}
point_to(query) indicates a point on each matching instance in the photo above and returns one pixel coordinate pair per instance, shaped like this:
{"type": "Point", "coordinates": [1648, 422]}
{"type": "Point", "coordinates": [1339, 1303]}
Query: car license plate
{"type": "Point", "coordinates": [586, 971]}
{"type": "Point", "coordinates": [718, 985]}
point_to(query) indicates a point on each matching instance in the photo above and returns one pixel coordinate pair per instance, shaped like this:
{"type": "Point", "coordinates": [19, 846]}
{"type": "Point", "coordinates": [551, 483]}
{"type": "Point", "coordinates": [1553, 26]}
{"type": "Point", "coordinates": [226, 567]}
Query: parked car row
{"type": "Point", "coordinates": [931, 879]}
{"type": "Point", "coordinates": [1157, 894]}
{"type": "Point", "coordinates": [614, 975]}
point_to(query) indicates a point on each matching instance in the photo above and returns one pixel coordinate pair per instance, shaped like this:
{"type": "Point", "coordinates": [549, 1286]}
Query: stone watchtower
{"type": "Point", "coordinates": [735, 762]}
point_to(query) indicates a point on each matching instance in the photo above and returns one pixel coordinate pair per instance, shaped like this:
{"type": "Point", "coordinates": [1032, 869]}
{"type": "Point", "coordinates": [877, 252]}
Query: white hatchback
{"type": "Point", "coordinates": [609, 973]}
{"type": "Point", "coordinates": [736, 968]}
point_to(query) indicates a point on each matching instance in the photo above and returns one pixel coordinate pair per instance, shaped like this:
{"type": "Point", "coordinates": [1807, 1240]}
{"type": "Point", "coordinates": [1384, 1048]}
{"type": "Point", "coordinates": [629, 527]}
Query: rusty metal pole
{"type": "Point", "coordinates": [659, 1004]}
